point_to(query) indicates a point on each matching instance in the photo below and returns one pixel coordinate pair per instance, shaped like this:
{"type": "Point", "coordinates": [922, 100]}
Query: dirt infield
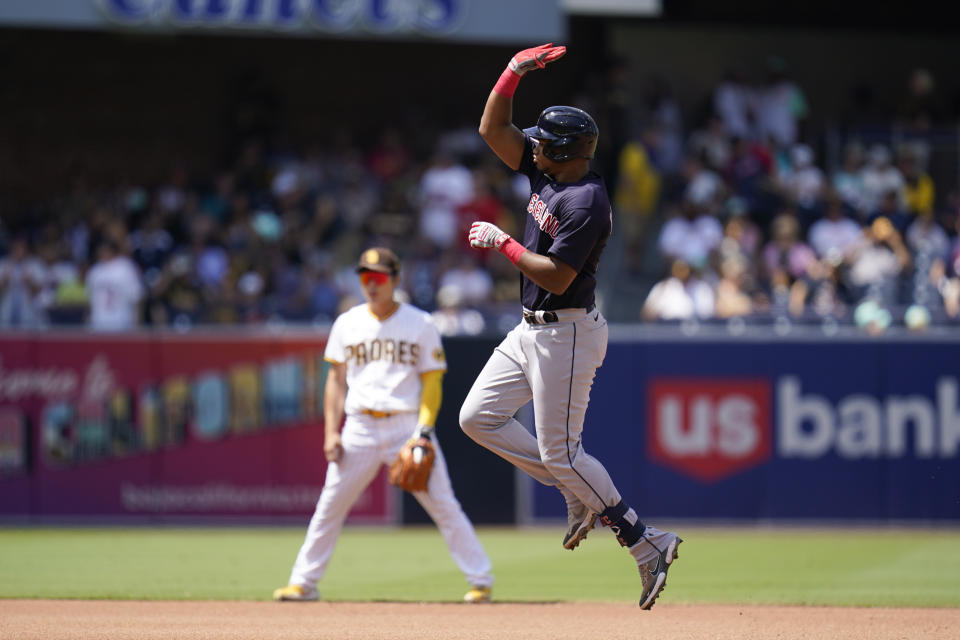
{"type": "Point", "coordinates": [110, 620]}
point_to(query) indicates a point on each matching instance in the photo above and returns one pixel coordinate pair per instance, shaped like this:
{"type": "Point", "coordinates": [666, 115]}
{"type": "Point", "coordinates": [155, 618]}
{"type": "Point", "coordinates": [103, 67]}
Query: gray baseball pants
{"type": "Point", "coordinates": [554, 364]}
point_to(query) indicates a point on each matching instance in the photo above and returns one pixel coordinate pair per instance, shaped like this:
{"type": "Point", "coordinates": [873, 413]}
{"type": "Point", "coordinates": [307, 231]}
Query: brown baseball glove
{"type": "Point", "coordinates": [411, 469]}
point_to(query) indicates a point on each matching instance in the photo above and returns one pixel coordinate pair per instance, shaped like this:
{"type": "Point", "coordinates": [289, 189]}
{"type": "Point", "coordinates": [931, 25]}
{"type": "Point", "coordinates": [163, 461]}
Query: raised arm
{"type": "Point", "coordinates": [496, 123]}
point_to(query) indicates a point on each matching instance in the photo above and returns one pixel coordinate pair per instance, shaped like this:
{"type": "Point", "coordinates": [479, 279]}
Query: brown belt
{"type": "Point", "coordinates": [379, 414]}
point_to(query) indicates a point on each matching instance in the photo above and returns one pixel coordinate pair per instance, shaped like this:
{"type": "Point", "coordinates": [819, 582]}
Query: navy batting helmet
{"type": "Point", "coordinates": [566, 133]}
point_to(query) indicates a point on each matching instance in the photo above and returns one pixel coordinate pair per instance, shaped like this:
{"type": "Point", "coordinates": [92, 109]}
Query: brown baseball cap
{"type": "Point", "coordinates": [379, 259]}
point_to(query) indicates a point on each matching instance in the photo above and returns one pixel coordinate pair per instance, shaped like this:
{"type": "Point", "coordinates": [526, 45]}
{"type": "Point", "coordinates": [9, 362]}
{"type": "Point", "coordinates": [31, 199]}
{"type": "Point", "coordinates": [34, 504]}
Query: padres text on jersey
{"type": "Point", "coordinates": [384, 358]}
{"type": "Point", "coordinates": [394, 351]}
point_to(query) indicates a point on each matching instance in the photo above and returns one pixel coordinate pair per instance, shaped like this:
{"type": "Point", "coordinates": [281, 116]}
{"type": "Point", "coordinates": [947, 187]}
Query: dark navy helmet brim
{"type": "Point", "coordinates": [537, 133]}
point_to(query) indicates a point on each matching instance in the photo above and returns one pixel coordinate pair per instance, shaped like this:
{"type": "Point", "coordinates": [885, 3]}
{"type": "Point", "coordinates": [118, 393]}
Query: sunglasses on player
{"type": "Point", "coordinates": [376, 277]}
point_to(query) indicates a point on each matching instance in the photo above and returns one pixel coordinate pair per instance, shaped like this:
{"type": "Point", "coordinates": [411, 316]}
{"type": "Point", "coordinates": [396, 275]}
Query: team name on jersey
{"type": "Point", "coordinates": [538, 209]}
{"type": "Point", "coordinates": [397, 352]}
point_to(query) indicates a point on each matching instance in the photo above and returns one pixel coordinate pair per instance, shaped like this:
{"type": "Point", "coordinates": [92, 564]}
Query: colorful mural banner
{"type": "Point", "coordinates": [199, 424]}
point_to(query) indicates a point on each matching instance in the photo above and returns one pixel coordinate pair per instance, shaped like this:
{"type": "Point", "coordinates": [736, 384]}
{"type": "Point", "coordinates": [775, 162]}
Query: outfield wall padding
{"type": "Point", "coordinates": [228, 425]}
{"type": "Point", "coordinates": [780, 429]}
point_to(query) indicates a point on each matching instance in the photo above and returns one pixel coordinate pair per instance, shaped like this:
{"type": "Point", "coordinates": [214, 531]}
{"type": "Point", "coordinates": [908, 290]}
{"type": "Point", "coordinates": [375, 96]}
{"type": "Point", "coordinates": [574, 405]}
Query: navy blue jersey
{"type": "Point", "coordinates": [570, 221]}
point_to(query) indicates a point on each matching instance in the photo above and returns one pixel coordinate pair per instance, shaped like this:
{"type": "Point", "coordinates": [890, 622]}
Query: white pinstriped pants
{"type": "Point", "coordinates": [554, 364]}
{"type": "Point", "coordinates": [369, 442]}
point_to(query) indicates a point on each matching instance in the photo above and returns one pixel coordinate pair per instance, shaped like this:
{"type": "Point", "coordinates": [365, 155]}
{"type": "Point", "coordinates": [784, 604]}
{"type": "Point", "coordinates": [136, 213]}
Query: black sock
{"type": "Point", "coordinates": [618, 518]}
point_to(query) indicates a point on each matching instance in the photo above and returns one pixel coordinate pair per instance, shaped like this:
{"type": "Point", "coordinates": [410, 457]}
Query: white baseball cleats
{"type": "Point", "coordinates": [295, 593]}
{"type": "Point", "coordinates": [478, 595]}
{"type": "Point", "coordinates": [298, 593]}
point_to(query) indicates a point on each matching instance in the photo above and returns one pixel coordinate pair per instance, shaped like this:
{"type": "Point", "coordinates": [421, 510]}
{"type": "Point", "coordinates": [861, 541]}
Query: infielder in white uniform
{"type": "Point", "coordinates": [386, 368]}
{"type": "Point", "coordinates": [552, 355]}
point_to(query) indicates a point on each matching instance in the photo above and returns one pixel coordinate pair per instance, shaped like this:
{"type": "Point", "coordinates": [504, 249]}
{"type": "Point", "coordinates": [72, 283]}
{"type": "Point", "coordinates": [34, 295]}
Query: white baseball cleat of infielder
{"type": "Point", "coordinates": [295, 593]}
{"type": "Point", "coordinates": [478, 595]}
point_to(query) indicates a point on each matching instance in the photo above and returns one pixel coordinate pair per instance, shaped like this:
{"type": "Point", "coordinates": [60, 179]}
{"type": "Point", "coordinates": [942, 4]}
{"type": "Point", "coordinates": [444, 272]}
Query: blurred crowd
{"type": "Point", "coordinates": [738, 216]}
{"type": "Point", "coordinates": [272, 238]}
{"type": "Point", "coordinates": [757, 226]}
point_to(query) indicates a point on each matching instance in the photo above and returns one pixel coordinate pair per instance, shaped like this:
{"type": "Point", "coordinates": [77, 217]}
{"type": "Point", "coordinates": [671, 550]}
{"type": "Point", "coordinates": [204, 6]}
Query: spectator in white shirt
{"type": "Point", "coordinates": [679, 296]}
{"type": "Point", "coordinates": [731, 102]}
{"type": "Point", "coordinates": [115, 290]}
{"type": "Point", "coordinates": [877, 261]}
{"type": "Point", "coordinates": [835, 233]}
{"type": "Point", "coordinates": [444, 187]}
{"type": "Point", "coordinates": [690, 236]}
{"type": "Point", "coordinates": [779, 105]}
{"type": "Point", "coordinates": [804, 183]}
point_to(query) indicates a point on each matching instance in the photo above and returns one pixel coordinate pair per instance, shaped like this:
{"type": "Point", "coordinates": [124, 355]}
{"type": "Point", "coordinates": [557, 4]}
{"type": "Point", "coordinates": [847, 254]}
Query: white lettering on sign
{"type": "Point", "coordinates": [861, 426]}
{"type": "Point", "coordinates": [52, 382]}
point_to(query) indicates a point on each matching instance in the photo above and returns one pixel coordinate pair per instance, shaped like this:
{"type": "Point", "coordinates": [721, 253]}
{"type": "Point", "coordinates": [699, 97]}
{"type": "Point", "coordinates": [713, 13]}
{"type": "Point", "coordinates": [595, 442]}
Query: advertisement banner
{"type": "Point", "coordinates": [440, 20]}
{"type": "Point", "coordinates": [825, 430]}
{"type": "Point", "coordinates": [158, 425]}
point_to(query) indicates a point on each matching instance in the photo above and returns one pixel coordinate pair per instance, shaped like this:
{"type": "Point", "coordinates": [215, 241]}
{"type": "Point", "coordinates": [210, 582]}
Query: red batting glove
{"type": "Point", "coordinates": [526, 60]}
{"type": "Point", "coordinates": [537, 57]}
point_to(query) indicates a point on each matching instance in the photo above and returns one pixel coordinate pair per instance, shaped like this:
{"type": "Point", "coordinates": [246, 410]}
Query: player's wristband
{"type": "Point", "coordinates": [507, 84]}
{"type": "Point", "coordinates": [513, 250]}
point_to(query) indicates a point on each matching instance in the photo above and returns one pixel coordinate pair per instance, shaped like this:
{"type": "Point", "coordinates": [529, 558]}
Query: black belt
{"type": "Point", "coordinates": [547, 317]}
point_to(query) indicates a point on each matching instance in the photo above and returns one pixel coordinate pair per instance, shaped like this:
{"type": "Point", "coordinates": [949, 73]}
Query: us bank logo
{"type": "Point", "coordinates": [712, 428]}
{"type": "Point", "coordinates": [709, 428]}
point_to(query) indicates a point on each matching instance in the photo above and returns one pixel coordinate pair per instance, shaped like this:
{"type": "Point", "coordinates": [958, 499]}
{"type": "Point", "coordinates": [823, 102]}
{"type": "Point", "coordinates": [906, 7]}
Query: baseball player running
{"type": "Point", "coordinates": [553, 354]}
{"type": "Point", "coordinates": [386, 367]}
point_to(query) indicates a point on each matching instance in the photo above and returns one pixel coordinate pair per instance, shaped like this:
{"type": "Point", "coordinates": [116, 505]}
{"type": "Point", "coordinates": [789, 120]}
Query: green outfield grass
{"type": "Point", "coordinates": [782, 566]}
